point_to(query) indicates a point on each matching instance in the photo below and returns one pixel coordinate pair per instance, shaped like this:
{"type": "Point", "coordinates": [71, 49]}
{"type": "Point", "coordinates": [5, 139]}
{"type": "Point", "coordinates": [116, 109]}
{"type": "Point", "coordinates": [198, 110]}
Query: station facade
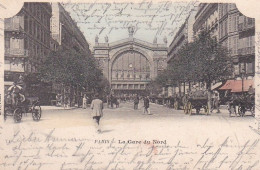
{"type": "Point", "coordinates": [130, 64]}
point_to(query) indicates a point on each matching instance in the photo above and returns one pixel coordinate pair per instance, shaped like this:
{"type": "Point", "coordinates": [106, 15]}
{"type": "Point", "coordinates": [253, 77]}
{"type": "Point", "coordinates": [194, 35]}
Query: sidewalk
{"type": "Point", "coordinates": [58, 108]}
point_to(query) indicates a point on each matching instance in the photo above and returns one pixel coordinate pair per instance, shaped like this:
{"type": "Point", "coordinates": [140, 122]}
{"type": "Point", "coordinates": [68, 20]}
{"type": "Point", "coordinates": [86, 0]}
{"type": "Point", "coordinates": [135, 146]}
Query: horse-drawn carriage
{"type": "Point", "coordinates": [196, 100]}
{"type": "Point", "coordinates": [16, 104]}
{"type": "Point", "coordinates": [17, 110]}
{"type": "Point", "coordinates": [243, 103]}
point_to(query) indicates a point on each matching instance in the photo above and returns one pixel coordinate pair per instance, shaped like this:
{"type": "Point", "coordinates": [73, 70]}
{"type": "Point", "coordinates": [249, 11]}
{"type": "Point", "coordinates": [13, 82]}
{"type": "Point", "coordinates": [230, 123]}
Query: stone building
{"type": "Point", "coordinates": [67, 35]}
{"type": "Point", "coordinates": [207, 18]}
{"type": "Point", "coordinates": [184, 35]}
{"type": "Point", "coordinates": [130, 64]}
{"type": "Point", "coordinates": [27, 40]}
{"type": "Point", "coordinates": [65, 31]}
{"type": "Point", "coordinates": [234, 31]}
{"type": "Point", "coordinates": [237, 33]}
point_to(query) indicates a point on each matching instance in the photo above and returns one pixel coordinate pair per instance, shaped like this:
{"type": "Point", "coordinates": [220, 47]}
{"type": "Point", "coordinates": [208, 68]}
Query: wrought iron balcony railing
{"type": "Point", "coordinates": [244, 27]}
{"type": "Point", "coordinates": [246, 51]}
{"type": "Point", "coordinates": [10, 52]}
{"type": "Point", "coordinates": [14, 24]}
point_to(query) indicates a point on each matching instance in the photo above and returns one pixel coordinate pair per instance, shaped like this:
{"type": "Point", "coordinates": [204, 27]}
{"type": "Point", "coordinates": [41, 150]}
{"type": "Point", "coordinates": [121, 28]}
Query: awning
{"type": "Point", "coordinates": [236, 85]}
{"type": "Point", "coordinates": [213, 87]}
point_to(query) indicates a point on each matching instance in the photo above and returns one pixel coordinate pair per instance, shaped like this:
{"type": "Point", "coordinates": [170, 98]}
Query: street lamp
{"type": "Point", "coordinates": [242, 77]}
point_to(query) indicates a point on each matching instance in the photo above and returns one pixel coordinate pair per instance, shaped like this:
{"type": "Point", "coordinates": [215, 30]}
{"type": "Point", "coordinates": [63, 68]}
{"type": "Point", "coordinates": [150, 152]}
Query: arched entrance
{"type": "Point", "coordinates": [130, 72]}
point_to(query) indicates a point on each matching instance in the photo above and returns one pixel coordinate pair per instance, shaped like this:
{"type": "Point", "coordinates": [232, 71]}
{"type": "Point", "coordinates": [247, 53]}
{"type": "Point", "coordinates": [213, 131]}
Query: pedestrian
{"type": "Point", "coordinates": [116, 102]}
{"type": "Point", "coordinates": [251, 90]}
{"type": "Point", "coordinates": [215, 101]}
{"type": "Point", "coordinates": [136, 102]}
{"type": "Point", "coordinates": [97, 111]}
{"type": "Point", "coordinates": [108, 101]}
{"type": "Point", "coordinates": [232, 105]}
{"type": "Point", "coordinates": [111, 101]}
{"type": "Point", "coordinates": [84, 102]}
{"type": "Point", "coordinates": [146, 105]}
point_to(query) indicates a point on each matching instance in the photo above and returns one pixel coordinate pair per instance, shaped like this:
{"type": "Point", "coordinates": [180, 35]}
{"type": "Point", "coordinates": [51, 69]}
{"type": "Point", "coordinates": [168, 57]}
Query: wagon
{"type": "Point", "coordinates": [196, 100]}
{"type": "Point", "coordinates": [245, 102]}
{"type": "Point", "coordinates": [30, 105]}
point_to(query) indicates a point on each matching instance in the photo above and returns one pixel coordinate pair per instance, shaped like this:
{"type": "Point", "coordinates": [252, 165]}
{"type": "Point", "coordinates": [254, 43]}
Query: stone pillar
{"type": "Point", "coordinates": [106, 68]}
{"type": "Point", "coordinates": [155, 67]}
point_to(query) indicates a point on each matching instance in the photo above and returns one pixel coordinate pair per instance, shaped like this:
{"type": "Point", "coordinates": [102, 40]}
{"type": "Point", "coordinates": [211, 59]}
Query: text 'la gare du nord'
{"type": "Point", "coordinates": [103, 141]}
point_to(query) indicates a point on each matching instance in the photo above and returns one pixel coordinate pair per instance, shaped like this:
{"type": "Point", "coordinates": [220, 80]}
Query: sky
{"type": "Point", "coordinates": [150, 19]}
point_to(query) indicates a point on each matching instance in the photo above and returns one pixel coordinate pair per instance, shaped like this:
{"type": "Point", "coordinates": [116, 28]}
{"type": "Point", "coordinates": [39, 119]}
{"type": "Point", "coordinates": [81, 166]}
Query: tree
{"type": "Point", "coordinates": [204, 60]}
{"type": "Point", "coordinates": [72, 69]}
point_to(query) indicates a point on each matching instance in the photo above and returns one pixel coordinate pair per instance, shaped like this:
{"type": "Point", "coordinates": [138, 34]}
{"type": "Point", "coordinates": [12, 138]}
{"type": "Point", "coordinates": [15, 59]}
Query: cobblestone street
{"type": "Point", "coordinates": [125, 120]}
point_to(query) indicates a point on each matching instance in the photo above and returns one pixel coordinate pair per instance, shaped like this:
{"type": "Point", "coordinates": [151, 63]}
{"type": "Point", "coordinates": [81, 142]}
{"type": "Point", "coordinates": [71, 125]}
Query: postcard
{"type": "Point", "coordinates": [129, 85]}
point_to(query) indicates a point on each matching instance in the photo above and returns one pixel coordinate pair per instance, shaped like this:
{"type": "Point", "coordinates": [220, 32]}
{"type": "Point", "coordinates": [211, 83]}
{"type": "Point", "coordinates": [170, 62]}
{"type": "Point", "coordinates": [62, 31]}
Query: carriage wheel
{"type": "Point", "coordinates": [18, 115]}
{"type": "Point", "coordinates": [252, 110]}
{"type": "Point", "coordinates": [241, 110]}
{"type": "Point", "coordinates": [176, 105]}
{"type": "Point", "coordinates": [8, 112]}
{"type": "Point", "coordinates": [189, 108]}
{"type": "Point", "coordinates": [206, 110]}
{"type": "Point", "coordinates": [36, 113]}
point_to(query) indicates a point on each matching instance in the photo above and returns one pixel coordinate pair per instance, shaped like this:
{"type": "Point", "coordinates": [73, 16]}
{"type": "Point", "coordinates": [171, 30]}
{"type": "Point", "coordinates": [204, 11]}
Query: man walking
{"type": "Point", "coordinates": [97, 111]}
{"type": "Point", "coordinates": [146, 105]}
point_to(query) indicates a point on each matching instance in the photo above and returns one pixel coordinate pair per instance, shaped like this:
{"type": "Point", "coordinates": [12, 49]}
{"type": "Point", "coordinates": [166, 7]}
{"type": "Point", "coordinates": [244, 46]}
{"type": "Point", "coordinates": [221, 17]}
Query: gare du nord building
{"type": "Point", "coordinates": [130, 64]}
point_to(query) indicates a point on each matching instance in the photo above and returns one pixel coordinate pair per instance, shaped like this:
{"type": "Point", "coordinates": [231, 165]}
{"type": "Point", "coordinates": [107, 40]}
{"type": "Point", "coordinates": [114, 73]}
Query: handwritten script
{"type": "Point", "coordinates": [112, 19]}
{"type": "Point", "coordinates": [37, 150]}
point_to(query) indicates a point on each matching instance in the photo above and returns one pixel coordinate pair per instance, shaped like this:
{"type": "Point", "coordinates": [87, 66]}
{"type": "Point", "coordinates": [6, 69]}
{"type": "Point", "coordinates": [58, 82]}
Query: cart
{"type": "Point", "coordinates": [30, 105]}
{"type": "Point", "coordinates": [196, 100]}
{"type": "Point", "coordinates": [246, 102]}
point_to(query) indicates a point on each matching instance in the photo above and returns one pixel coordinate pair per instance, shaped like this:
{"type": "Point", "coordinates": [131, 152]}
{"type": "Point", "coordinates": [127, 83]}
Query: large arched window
{"type": "Point", "coordinates": [131, 65]}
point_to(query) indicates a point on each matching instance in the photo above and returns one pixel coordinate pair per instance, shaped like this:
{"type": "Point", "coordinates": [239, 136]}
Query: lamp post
{"type": "Point", "coordinates": [242, 77]}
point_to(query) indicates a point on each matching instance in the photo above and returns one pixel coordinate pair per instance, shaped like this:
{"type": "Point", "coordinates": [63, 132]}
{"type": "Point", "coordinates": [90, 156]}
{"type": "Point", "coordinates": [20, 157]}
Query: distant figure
{"type": "Point", "coordinates": [146, 105]}
{"type": "Point", "coordinates": [136, 102]}
{"type": "Point", "coordinates": [107, 98]}
{"type": "Point", "coordinates": [232, 105]}
{"type": "Point", "coordinates": [111, 101]}
{"type": "Point", "coordinates": [251, 90]}
{"type": "Point", "coordinates": [116, 102]}
{"type": "Point", "coordinates": [84, 102]}
{"type": "Point", "coordinates": [58, 99]}
{"type": "Point", "coordinates": [97, 111]}
{"type": "Point", "coordinates": [215, 101]}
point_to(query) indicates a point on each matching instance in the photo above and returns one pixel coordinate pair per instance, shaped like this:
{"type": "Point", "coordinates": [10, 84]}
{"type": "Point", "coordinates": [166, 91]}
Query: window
{"type": "Point", "coordinates": [242, 67]}
{"type": "Point", "coordinates": [7, 65]}
{"type": "Point", "coordinates": [26, 23]}
{"type": "Point", "coordinates": [15, 43]}
{"type": "Point", "coordinates": [25, 43]}
{"type": "Point", "coordinates": [7, 42]}
{"type": "Point", "coordinates": [236, 69]}
{"type": "Point", "coordinates": [250, 21]}
{"type": "Point", "coordinates": [235, 44]}
{"type": "Point", "coordinates": [249, 68]}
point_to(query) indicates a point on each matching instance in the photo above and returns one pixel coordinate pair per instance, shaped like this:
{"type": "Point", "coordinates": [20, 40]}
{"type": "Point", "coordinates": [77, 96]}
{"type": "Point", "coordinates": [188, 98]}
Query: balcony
{"type": "Point", "coordinates": [246, 51]}
{"type": "Point", "coordinates": [14, 24]}
{"type": "Point", "coordinates": [16, 52]}
{"type": "Point", "coordinates": [244, 27]}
